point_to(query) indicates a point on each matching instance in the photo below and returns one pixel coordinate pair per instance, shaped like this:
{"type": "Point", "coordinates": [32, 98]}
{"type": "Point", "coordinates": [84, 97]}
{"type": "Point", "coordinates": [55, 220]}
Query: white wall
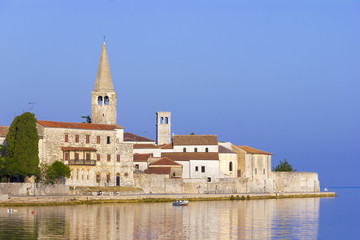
{"type": "Point", "coordinates": [200, 148]}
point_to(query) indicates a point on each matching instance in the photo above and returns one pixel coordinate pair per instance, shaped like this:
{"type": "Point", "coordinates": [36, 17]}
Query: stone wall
{"type": "Point", "coordinates": [16, 189]}
{"type": "Point", "coordinates": [296, 182]}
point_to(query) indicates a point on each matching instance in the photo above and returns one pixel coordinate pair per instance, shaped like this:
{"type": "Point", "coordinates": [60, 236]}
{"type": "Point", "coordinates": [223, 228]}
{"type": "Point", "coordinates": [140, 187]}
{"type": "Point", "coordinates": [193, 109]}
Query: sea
{"type": "Point", "coordinates": [303, 218]}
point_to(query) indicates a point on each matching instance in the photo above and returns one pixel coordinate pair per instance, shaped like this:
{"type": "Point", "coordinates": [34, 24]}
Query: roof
{"type": "Point", "coordinates": [136, 138]}
{"type": "Point", "coordinates": [78, 149]}
{"type": "Point", "coordinates": [253, 150]}
{"type": "Point", "coordinates": [142, 146]}
{"type": "Point", "coordinates": [195, 140]}
{"type": "Point", "coordinates": [166, 146]}
{"type": "Point", "coordinates": [4, 131]}
{"type": "Point", "coordinates": [164, 161]}
{"type": "Point", "coordinates": [158, 170]}
{"type": "Point", "coordinates": [187, 156]}
{"type": "Point", "coordinates": [91, 126]}
{"type": "Point", "coordinates": [223, 149]}
{"type": "Point", "coordinates": [103, 78]}
{"type": "Point", "coordinates": [141, 157]}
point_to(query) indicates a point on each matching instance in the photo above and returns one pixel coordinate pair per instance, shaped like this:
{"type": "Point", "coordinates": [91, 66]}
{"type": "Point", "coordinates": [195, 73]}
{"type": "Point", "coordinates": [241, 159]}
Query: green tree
{"type": "Point", "coordinates": [22, 149]}
{"type": "Point", "coordinates": [56, 172]}
{"type": "Point", "coordinates": [87, 119]}
{"type": "Point", "coordinates": [284, 166]}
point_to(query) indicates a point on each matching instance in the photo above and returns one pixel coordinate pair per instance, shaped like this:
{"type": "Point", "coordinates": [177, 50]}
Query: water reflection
{"type": "Point", "coordinates": [255, 219]}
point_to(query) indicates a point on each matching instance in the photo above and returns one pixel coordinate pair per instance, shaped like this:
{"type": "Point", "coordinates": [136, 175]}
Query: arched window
{"type": "Point", "coordinates": [206, 149]}
{"type": "Point", "coordinates": [184, 150]}
{"type": "Point", "coordinates": [161, 120]}
{"type": "Point", "coordinates": [195, 150]}
{"type": "Point", "coordinates": [230, 166]}
{"type": "Point", "coordinates": [100, 100]}
{"type": "Point", "coordinates": [166, 120]}
{"type": "Point", "coordinates": [106, 100]}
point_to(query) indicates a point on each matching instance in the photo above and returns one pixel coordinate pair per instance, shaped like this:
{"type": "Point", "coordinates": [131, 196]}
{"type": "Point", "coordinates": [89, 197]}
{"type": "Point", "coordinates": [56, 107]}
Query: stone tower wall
{"type": "Point", "coordinates": [100, 112]}
{"type": "Point", "coordinates": [163, 128]}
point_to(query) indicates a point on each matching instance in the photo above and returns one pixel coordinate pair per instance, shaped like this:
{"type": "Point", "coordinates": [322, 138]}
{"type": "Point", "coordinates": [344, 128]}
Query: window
{"type": "Point", "coordinates": [230, 166]}
{"type": "Point", "coordinates": [66, 156]}
{"type": "Point", "coordinates": [76, 156]}
{"type": "Point", "coordinates": [239, 173]}
{"type": "Point", "coordinates": [195, 150]}
{"type": "Point", "coordinates": [184, 150]}
{"type": "Point", "coordinates": [106, 100]}
{"type": "Point", "coordinates": [255, 170]}
{"type": "Point", "coordinates": [98, 157]}
{"type": "Point", "coordinates": [166, 120]}
{"type": "Point", "coordinates": [209, 179]}
{"type": "Point", "coordinates": [264, 171]}
{"type": "Point", "coordinates": [161, 120]}
{"type": "Point", "coordinates": [100, 100]}
{"type": "Point", "coordinates": [87, 138]}
{"type": "Point", "coordinates": [196, 168]}
{"type": "Point", "coordinates": [206, 149]}
{"type": "Point", "coordinates": [98, 178]}
{"type": "Point", "coordinates": [173, 174]}
{"type": "Point", "coordinates": [98, 139]}
{"type": "Point", "coordinates": [108, 178]}
{"type": "Point", "coordinates": [77, 138]}
{"type": "Point", "coordinates": [137, 166]}
{"type": "Point", "coordinates": [108, 140]}
{"type": "Point", "coordinates": [109, 157]}
{"type": "Point", "coordinates": [202, 168]}
{"type": "Point", "coordinates": [66, 138]}
{"type": "Point", "coordinates": [87, 156]}
{"type": "Point", "coordinates": [118, 158]}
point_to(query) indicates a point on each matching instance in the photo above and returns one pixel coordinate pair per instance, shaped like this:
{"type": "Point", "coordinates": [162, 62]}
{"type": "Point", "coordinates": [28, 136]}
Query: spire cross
{"type": "Point", "coordinates": [104, 38]}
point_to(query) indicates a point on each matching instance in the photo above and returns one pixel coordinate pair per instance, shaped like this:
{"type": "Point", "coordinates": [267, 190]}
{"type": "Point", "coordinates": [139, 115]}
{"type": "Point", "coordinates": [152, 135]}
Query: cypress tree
{"type": "Point", "coordinates": [23, 147]}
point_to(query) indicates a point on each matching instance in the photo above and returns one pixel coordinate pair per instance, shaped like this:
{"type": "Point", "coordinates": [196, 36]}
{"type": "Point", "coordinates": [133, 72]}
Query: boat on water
{"type": "Point", "coordinates": [181, 203]}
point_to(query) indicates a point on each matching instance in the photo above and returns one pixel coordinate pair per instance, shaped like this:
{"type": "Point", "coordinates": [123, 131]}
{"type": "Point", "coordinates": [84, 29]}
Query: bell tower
{"type": "Point", "coordinates": [163, 128]}
{"type": "Point", "coordinates": [103, 98]}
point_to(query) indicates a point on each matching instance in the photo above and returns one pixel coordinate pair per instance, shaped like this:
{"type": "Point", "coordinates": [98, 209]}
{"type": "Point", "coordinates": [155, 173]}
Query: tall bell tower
{"type": "Point", "coordinates": [103, 98]}
{"type": "Point", "coordinates": [163, 128]}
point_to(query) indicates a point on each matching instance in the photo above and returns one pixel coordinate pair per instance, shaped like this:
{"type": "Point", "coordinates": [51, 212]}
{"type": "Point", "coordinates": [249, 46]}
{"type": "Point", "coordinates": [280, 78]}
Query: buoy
{"type": "Point", "coordinates": [32, 212]}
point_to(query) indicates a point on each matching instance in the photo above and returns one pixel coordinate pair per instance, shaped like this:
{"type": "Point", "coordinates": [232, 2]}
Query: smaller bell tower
{"type": "Point", "coordinates": [163, 128]}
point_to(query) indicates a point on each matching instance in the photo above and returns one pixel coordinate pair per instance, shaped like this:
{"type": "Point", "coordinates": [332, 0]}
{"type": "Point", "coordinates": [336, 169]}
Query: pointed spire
{"type": "Point", "coordinates": [103, 79]}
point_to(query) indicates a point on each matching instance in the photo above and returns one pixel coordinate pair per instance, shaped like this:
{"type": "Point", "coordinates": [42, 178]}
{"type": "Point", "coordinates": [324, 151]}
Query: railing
{"type": "Point", "coordinates": [82, 162]}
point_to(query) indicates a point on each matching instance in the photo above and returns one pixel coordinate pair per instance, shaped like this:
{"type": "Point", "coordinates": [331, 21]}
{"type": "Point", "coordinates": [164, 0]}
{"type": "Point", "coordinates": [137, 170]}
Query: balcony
{"type": "Point", "coordinates": [82, 162]}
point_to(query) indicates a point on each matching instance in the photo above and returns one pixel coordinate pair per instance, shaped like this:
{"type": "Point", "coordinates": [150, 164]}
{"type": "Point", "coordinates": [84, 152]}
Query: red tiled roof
{"type": "Point", "coordinates": [164, 161]}
{"type": "Point", "coordinates": [92, 126]}
{"type": "Point", "coordinates": [158, 170]}
{"type": "Point", "coordinates": [136, 138]}
{"type": "Point", "coordinates": [187, 156]}
{"type": "Point", "coordinates": [78, 149]}
{"type": "Point", "coordinates": [253, 150]}
{"type": "Point", "coordinates": [4, 131]}
{"type": "Point", "coordinates": [141, 157]}
{"type": "Point", "coordinates": [166, 146]}
{"type": "Point", "coordinates": [223, 149]}
{"type": "Point", "coordinates": [195, 140]}
{"type": "Point", "coordinates": [144, 146]}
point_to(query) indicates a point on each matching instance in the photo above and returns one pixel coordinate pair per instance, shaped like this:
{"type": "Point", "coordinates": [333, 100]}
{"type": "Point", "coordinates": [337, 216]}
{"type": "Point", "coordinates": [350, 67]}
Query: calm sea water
{"type": "Point", "coordinates": [310, 218]}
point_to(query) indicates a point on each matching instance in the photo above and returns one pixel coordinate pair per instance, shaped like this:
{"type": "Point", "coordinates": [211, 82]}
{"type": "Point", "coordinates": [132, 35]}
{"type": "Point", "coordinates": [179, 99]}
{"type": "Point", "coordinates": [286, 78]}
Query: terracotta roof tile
{"type": "Point", "coordinates": [187, 156]}
{"type": "Point", "coordinates": [164, 161]}
{"type": "Point", "coordinates": [78, 149]}
{"type": "Point", "coordinates": [166, 146]}
{"type": "Point", "coordinates": [92, 126]}
{"type": "Point", "coordinates": [141, 157]}
{"type": "Point", "coordinates": [144, 146]}
{"type": "Point", "coordinates": [4, 131]}
{"type": "Point", "coordinates": [223, 149]}
{"type": "Point", "coordinates": [158, 170]}
{"type": "Point", "coordinates": [253, 150]}
{"type": "Point", "coordinates": [195, 140]}
{"type": "Point", "coordinates": [136, 138]}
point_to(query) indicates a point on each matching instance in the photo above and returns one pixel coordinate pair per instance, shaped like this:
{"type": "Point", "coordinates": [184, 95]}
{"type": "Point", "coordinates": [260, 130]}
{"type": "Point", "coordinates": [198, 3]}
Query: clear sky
{"type": "Point", "coordinates": [281, 76]}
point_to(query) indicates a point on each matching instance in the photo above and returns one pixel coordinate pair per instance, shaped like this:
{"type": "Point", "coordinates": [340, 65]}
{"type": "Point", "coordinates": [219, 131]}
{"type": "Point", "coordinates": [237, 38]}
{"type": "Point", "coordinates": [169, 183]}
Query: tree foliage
{"type": "Point", "coordinates": [56, 172]}
{"type": "Point", "coordinates": [87, 119]}
{"type": "Point", "coordinates": [22, 147]}
{"type": "Point", "coordinates": [284, 166]}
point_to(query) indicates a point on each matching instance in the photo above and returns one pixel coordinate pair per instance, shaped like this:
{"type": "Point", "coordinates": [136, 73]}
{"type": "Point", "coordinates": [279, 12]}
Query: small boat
{"type": "Point", "coordinates": [181, 203]}
{"type": "Point", "coordinates": [12, 210]}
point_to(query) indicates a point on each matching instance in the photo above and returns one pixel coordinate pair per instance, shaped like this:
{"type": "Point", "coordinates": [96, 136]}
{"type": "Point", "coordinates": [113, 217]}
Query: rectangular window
{"type": "Point", "coordinates": [202, 168]}
{"type": "Point", "coordinates": [66, 156]}
{"type": "Point", "coordinates": [108, 178]}
{"type": "Point", "coordinates": [66, 138]}
{"type": "Point", "coordinates": [264, 171]}
{"type": "Point", "coordinates": [196, 168]}
{"type": "Point", "coordinates": [76, 156]}
{"type": "Point", "coordinates": [108, 140]}
{"type": "Point", "coordinates": [109, 157]}
{"type": "Point", "coordinates": [255, 170]}
{"type": "Point", "coordinates": [87, 138]}
{"type": "Point", "coordinates": [77, 138]}
{"type": "Point", "coordinates": [137, 166]}
{"type": "Point", "coordinates": [97, 178]}
{"type": "Point", "coordinates": [87, 156]}
{"type": "Point", "coordinates": [98, 139]}
{"type": "Point", "coordinates": [98, 157]}
{"type": "Point", "coordinates": [118, 158]}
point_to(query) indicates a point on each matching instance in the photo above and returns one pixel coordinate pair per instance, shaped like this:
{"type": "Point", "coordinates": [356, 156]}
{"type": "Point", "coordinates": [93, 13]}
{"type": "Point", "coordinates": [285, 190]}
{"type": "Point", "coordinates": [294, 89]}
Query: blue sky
{"type": "Point", "coordinates": [281, 76]}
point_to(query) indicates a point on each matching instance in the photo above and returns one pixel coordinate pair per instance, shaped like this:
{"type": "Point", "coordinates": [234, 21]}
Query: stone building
{"type": "Point", "coordinates": [3, 132]}
{"type": "Point", "coordinates": [228, 162]}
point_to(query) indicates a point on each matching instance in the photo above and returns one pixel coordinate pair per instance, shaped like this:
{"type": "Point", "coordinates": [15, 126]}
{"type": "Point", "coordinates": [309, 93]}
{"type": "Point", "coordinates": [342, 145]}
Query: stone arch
{"type": "Point", "coordinates": [166, 120]}
{"type": "Point", "coordinates": [100, 100]}
{"type": "Point", "coordinates": [230, 166]}
{"type": "Point", "coordinates": [161, 120]}
{"type": "Point", "coordinates": [106, 100]}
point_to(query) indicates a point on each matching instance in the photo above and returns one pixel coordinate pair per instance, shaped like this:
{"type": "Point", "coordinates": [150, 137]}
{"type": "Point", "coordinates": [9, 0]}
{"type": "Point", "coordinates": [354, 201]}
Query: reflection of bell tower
{"type": "Point", "coordinates": [103, 98]}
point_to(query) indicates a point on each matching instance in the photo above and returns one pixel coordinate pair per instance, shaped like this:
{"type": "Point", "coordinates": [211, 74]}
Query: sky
{"type": "Point", "coordinates": [280, 76]}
